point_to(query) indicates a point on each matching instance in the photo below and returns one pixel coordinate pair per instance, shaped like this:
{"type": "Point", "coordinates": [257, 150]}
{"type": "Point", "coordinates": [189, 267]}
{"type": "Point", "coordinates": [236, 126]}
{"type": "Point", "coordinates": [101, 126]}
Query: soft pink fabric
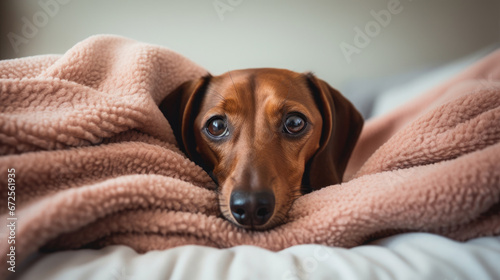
{"type": "Point", "coordinates": [96, 162]}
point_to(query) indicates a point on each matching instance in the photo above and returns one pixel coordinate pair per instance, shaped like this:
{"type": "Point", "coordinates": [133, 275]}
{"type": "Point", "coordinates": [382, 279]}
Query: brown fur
{"type": "Point", "coordinates": [258, 155]}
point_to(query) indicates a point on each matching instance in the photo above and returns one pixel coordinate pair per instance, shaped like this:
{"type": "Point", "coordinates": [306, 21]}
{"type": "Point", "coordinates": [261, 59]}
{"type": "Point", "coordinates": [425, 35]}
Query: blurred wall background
{"type": "Point", "coordinates": [337, 39]}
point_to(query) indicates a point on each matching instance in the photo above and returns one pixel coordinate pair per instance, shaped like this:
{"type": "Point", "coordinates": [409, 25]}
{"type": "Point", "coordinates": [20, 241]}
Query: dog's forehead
{"type": "Point", "coordinates": [256, 85]}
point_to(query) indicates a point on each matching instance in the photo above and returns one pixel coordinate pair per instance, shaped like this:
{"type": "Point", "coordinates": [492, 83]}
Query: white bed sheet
{"type": "Point", "coordinates": [404, 256]}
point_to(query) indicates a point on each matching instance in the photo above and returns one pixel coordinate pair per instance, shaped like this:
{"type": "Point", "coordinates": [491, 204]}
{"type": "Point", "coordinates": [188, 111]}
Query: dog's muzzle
{"type": "Point", "coordinates": [251, 208]}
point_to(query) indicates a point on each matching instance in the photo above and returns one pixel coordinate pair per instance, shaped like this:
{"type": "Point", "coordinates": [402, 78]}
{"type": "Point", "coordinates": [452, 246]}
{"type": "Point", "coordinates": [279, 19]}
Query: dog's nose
{"type": "Point", "coordinates": [252, 208]}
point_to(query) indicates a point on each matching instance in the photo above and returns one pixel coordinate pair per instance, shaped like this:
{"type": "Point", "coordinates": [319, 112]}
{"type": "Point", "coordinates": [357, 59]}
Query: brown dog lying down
{"type": "Point", "coordinates": [266, 136]}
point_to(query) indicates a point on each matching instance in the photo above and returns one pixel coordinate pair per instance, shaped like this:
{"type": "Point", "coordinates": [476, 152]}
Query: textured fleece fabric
{"type": "Point", "coordinates": [96, 162]}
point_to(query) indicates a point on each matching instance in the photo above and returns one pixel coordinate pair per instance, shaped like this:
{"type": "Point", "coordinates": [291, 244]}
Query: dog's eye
{"type": "Point", "coordinates": [216, 126]}
{"type": "Point", "coordinates": [294, 124]}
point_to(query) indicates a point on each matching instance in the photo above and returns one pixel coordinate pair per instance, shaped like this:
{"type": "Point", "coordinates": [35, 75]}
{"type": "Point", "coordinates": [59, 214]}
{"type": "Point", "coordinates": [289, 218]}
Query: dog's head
{"type": "Point", "coordinates": [266, 136]}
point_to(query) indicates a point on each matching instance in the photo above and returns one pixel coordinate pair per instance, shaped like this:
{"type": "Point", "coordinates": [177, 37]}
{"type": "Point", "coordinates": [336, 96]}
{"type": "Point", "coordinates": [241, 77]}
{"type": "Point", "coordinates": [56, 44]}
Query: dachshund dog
{"type": "Point", "coordinates": [266, 136]}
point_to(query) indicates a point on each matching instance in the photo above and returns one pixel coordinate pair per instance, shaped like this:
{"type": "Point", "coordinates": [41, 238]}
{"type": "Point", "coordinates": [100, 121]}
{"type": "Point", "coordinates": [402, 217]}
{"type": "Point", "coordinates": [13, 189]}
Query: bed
{"type": "Point", "coordinates": [404, 256]}
{"type": "Point", "coordinates": [412, 255]}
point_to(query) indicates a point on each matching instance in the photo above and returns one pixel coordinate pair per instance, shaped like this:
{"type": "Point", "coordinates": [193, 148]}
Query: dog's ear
{"type": "Point", "coordinates": [342, 124]}
{"type": "Point", "coordinates": [181, 107]}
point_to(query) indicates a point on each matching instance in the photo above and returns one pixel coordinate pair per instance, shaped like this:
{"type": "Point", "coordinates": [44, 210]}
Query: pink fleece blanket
{"type": "Point", "coordinates": [95, 162]}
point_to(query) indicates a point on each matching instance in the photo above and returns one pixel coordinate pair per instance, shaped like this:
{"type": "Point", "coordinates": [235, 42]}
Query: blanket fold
{"type": "Point", "coordinates": [96, 162]}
